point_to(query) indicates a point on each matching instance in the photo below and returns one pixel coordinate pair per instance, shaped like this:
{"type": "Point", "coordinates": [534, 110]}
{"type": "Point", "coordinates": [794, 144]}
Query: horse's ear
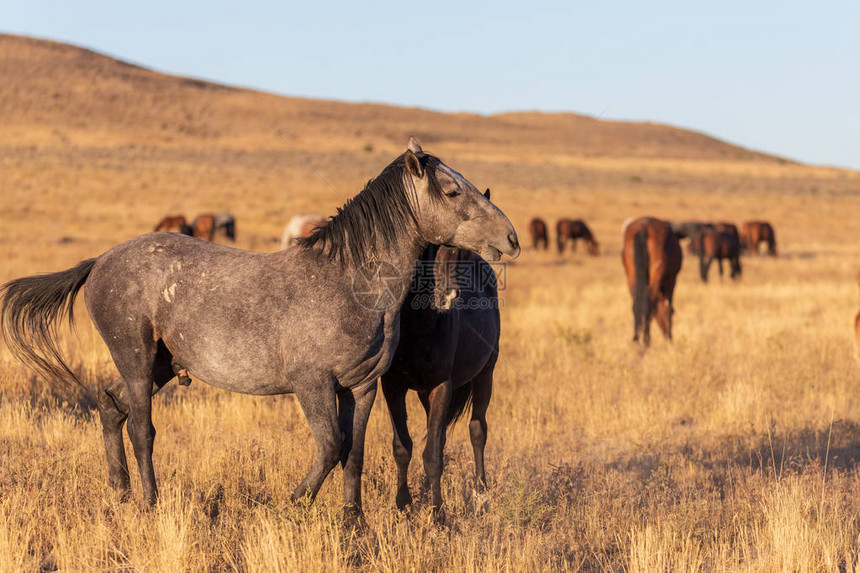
{"type": "Point", "coordinates": [413, 165]}
{"type": "Point", "coordinates": [487, 194]}
{"type": "Point", "coordinates": [414, 146]}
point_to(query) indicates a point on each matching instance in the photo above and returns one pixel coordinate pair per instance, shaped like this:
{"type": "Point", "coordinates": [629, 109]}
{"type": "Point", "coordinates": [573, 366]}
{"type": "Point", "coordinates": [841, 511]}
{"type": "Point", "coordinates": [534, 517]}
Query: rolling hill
{"type": "Point", "coordinates": [73, 94]}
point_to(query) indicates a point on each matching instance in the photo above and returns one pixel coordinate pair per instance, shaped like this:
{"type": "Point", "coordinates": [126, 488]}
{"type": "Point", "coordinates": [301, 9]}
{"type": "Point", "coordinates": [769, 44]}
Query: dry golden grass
{"type": "Point", "coordinates": [734, 448]}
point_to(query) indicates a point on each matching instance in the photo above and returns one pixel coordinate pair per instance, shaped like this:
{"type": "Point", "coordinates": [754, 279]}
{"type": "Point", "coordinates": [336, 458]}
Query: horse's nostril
{"type": "Point", "coordinates": [512, 239]}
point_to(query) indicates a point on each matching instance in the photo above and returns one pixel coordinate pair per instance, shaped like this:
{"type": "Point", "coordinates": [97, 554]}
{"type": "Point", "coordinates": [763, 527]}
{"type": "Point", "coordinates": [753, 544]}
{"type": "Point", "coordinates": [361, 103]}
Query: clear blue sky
{"type": "Point", "coordinates": [782, 77]}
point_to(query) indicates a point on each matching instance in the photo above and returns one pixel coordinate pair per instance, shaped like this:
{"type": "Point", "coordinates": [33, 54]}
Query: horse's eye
{"type": "Point", "coordinates": [452, 193]}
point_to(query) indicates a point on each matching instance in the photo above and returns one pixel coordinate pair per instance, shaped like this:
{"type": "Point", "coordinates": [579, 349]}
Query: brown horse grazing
{"type": "Point", "coordinates": [652, 259]}
{"type": "Point", "coordinates": [573, 229]}
{"type": "Point", "coordinates": [449, 344]}
{"type": "Point", "coordinates": [753, 233]}
{"type": "Point", "coordinates": [713, 244]}
{"type": "Point", "coordinates": [321, 320]}
{"type": "Point", "coordinates": [539, 232]}
{"type": "Point", "coordinates": [174, 224]}
{"type": "Point", "coordinates": [204, 227]}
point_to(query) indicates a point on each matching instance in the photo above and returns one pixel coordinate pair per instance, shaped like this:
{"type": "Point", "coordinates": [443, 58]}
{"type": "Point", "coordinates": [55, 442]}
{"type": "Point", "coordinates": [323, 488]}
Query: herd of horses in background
{"type": "Point", "coordinates": [652, 258]}
{"type": "Point", "coordinates": [205, 226]}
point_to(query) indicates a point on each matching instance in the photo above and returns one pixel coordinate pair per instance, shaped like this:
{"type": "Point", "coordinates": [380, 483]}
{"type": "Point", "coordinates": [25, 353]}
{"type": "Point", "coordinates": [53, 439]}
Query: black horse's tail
{"type": "Point", "coordinates": [31, 309]}
{"type": "Point", "coordinates": [641, 265]}
{"type": "Point", "coordinates": [460, 402]}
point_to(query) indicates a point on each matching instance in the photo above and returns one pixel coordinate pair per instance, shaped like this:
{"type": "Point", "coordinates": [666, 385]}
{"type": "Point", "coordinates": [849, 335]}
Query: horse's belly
{"type": "Point", "coordinates": [231, 365]}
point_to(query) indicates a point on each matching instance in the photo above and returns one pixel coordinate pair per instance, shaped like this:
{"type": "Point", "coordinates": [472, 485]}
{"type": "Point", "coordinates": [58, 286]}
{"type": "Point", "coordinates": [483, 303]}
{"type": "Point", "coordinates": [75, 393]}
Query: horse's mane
{"type": "Point", "coordinates": [381, 212]}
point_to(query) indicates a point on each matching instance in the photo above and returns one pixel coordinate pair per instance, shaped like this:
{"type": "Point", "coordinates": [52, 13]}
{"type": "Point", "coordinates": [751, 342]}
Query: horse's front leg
{"type": "Point", "coordinates": [354, 411]}
{"type": "Point", "coordinates": [437, 420]}
{"type": "Point", "coordinates": [319, 403]}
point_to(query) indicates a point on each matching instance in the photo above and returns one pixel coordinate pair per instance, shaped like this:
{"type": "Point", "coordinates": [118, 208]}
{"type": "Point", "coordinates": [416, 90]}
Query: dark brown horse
{"type": "Point", "coordinates": [753, 233]}
{"type": "Point", "coordinates": [720, 245]}
{"type": "Point", "coordinates": [321, 320]}
{"type": "Point", "coordinates": [174, 224]}
{"type": "Point", "coordinates": [539, 233]}
{"type": "Point", "coordinates": [652, 259]}
{"type": "Point", "coordinates": [449, 344]}
{"type": "Point", "coordinates": [573, 229]}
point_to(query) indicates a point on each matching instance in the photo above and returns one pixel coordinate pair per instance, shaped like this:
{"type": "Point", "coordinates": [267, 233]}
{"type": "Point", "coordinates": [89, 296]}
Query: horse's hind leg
{"type": "Point", "coordinates": [395, 398]}
{"type": "Point", "coordinates": [440, 400]}
{"type": "Point", "coordinates": [704, 267]}
{"type": "Point", "coordinates": [113, 413]}
{"type": "Point", "coordinates": [482, 390]}
{"type": "Point", "coordinates": [144, 366]}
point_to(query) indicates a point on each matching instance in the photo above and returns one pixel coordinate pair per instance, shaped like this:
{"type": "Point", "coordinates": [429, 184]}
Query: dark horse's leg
{"type": "Point", "coordinates": [437, 418]}
{"type": "Point", "coordinates": [482, 390]}
{"type": "Point", "coordinates": [354, 411]}
{"type": "Point", "coordinates": [720, 264]}
{"type": "Point", "coordinates": [319, 403]}
{"type": "Point", "coordinates": [395, 397]}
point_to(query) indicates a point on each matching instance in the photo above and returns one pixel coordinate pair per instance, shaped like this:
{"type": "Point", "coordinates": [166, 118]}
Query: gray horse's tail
{"type": "Point", "coordinates": [31, 309]}
{"type": "Point", "coordinates": [460, 402]}
{"type": "Point", "coordinates": [641, 265]}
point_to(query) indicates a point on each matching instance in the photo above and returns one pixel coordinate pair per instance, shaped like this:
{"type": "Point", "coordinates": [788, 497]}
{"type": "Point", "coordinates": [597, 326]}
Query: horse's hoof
{"type": "Point", "coordinates": [439, 516]}
{"type": "Point", "coordinates": [403, 500]}
{"type": "Point", "coordinates": [353, 520]}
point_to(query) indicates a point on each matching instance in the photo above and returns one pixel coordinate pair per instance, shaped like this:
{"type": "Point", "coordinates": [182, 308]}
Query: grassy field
{"type": "Point", "coordinates": [733, 448]}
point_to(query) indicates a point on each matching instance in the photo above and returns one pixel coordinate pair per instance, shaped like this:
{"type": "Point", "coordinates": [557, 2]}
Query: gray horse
{"type": "Point", "coordinates": [322, 320]}
{"type": "Point", "coordinates": [448, 349]}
